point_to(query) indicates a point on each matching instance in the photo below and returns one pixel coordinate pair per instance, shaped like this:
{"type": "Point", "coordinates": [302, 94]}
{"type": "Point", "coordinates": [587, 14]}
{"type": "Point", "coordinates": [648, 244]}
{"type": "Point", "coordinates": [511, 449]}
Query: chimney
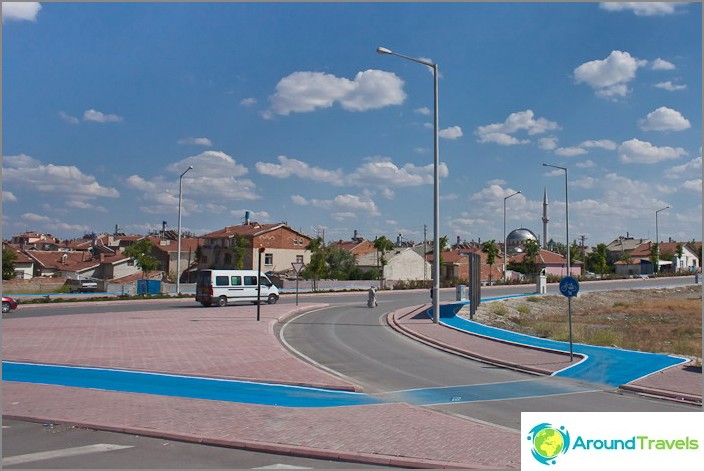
{"type": "Point", "coordinates": [458, 240]}
{"type": "Point", "coordinates": [246, 218]}
{"type": "Point", "coordinates": [163, 228]}
{"type": "Point", "coordinates": [354, 237]}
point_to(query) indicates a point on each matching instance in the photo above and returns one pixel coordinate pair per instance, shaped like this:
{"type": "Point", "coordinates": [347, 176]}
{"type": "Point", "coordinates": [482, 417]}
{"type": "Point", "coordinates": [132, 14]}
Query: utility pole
{"type": "Point", "coordinates": [583, 238]}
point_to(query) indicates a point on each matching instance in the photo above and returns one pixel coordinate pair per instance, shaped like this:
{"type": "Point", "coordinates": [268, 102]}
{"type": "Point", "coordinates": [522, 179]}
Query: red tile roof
{"type": "Point", "coordinates": [253, 229]}
{"type": "Point", "coordinates": [547, 258]}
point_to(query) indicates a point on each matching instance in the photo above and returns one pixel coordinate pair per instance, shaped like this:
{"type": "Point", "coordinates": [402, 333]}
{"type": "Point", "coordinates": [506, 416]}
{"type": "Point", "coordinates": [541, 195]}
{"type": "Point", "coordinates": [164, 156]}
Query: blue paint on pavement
{"type": "Point", "coordinates": [600, 365]}
{"type": "Point", "coordinates": [182, 386]}
{"type": "Point", "coordinates": [487, 392]}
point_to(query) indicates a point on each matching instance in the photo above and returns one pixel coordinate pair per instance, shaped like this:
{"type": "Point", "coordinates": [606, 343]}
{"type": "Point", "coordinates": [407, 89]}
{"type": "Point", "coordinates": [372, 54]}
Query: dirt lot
{"type": "Point", "coordinates": [653, 320]}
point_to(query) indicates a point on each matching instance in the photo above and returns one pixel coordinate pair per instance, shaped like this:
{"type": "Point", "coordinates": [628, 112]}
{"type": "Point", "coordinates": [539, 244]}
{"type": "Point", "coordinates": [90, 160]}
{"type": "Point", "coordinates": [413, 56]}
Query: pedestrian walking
{"type": "Point", "coordinates": [371, 300]}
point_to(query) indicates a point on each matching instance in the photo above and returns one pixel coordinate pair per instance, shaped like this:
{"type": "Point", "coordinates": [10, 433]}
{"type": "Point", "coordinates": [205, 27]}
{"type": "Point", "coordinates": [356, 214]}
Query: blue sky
{"type": "Point", "coordinates": [287, 111]}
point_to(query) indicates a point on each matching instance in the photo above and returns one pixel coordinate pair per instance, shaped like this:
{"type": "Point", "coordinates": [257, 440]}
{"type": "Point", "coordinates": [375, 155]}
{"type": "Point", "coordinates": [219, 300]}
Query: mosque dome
{"type": "Point", "coordinates": [517, 238]}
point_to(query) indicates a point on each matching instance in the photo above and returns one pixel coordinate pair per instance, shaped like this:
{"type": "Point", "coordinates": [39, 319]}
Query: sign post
{"type": "Point", "coordinates": [297, 267]}
{"type": "Point", "coordinates": [259, 282]}
{"type": "Point", "coordinates": [569, 287]}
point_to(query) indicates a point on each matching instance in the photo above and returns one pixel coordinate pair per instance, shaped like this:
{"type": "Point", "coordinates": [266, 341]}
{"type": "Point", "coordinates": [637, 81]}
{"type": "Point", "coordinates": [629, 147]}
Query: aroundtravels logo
{"type": "Point", "coordinates": [548, 442]}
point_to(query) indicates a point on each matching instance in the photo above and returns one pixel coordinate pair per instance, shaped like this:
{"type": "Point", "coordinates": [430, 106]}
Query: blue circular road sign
{"type": "Point", "coordinates": [569, 286]}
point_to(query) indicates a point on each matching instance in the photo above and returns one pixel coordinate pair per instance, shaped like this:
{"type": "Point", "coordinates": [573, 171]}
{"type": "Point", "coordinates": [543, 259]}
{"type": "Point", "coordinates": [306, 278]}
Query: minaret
{"type": "Point", "coordinates": [545, 218]}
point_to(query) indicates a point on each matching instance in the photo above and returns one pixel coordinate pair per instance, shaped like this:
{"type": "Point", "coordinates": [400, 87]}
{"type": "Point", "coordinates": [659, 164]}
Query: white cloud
{"type": "Point", "coordinates": [453, 132]}
{"type": "Point", "coordinates": [570, 151]}
{"type": "Point", "coordinates": [641, 152]}
{"type": "Point", "coordinates": [604, 144]}
{"type": "Point", "coordinates": [197, 141]}
{"type": "Point", "coordinates": [248, 102]}
{"type": "Point", "coordinates": [609, 77]}
{"type": "Point", "coordinates": [501, 133]}
{"type": "Point", "coordinates": [377, 171]}
{"type": "Point", "coordinates": [32, 217]}
{"type": "Point", "coordinates": [586, 164]}
{"type": "Point", "coordinates": [80, 204]}
{"type": "Point", "coordinates": [693, 166]}
{"type": "Point", "coordinates": [664, 119]}
{"type": "Point", "coordinates": [693, 185]}
{"type": "Point", "coordinates": [8, 196]}
{"type": "Point", "coordinates": [99, 117]}
{"type": "Point", "coordinates": [308, 91]}
{"type": "Point", "coordinates": [20, 11]}
{"type": "Point", "coordinates": [661, 64]}
{"type": "Point", "coordinates": [23, 170]}
{"type": "Point", "coordinates": [548, 143]}
{"type": "Point", "coordinates": [259, 216]}
{"type": "Point", "coordinates": [643, 8]}
{"type": "Point", "coordinates": [347, 204]}
{"type": "Point", "coordinates": [288, 167]}
{"type": "Point", "coordinates": [586, 183]}
{"type": "Point", "coordinates": [424, 111]}
{"type": "Point", "coordinates": [670, 87]}
{"type": "Point", "coordinates": [213, 164]}
{"type": "Point", "coordinates": [384, 173]}
{"type": "Point", "coordinates": [68, 118]}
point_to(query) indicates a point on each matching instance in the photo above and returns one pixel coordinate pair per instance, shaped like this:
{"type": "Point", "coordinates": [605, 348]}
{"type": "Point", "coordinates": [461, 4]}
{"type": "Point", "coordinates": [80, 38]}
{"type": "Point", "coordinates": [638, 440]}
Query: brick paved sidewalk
{"type": "Point", "coordinates": [680, 383]}
{"type": "Point", "coordinates": [229, 342]}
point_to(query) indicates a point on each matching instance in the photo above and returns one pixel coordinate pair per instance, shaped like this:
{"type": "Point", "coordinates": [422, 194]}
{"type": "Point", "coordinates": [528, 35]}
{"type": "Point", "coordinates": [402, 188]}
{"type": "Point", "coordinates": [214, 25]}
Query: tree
{"type": "Point", "coordinates": [597, 259]}
{"type": "Point", "coordinates": [531, 250]}
{"type": "Point", "coordinates": [679, 251]}
{"type": "Point", "coordinates": [382, 245]}
{"type": "Point", "coordinates": [237, 247]}
{"type": "Point", "coordinates": [141, 252]}
{"type": "Point", "coordinates": [341, 263]}
{"type": "Point", "coordinates": [317, 267]}
{"type": "Point", "coordinates": [655, 256]}
{"type": "Point", "coordinates": [8, 263]}
{"type": "Point", "coordinates": [491, 251]}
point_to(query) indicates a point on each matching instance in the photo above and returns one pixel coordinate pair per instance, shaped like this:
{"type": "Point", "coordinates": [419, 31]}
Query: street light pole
{"type": "Point", "coordinates": [436, 183]}
{"type": "Point", "coordinates": [178, 255]}
{"type": "Point", "coordinates": [567, 249]}
{"type": "Point", "coordinates": [505, 198]}
{"type": "Point", "coordinates": [657, 238]}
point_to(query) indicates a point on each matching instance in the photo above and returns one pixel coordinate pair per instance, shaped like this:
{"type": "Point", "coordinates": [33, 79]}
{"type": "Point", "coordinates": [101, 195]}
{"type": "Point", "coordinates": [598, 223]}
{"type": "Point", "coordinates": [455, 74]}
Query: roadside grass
{"type": "Point", "coordinates": [671, 326]}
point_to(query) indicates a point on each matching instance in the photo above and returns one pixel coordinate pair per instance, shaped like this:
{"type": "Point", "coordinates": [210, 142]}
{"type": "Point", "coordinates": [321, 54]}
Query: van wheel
{"type": "Point", "coordinates": [222, 301]}
{"type": "Point", "coordinates": [272, 299]}
{"type": "Point", "coordinates": [206, 303]}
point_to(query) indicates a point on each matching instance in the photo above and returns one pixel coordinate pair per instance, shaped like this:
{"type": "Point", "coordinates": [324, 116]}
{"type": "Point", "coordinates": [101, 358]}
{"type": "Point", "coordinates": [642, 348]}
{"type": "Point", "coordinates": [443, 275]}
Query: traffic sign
{"type": "Point", "coordinates": [297, 267]}
{"type": "Point", "coordinates": [569, 286]}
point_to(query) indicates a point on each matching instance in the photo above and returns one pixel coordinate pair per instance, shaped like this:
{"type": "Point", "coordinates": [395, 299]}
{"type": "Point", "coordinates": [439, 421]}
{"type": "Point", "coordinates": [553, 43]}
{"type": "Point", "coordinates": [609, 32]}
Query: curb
{"type": "Point", "coordinates": [269, 447]}
{"type": "Point", "coordinates": [393, 322]}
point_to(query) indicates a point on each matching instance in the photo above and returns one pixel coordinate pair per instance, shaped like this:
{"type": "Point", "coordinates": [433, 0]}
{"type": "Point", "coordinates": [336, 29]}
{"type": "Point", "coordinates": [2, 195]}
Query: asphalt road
{"type": "Point", "coordinates": [78, 448]}
{"type": "Point", "coordinates": [348, 338]}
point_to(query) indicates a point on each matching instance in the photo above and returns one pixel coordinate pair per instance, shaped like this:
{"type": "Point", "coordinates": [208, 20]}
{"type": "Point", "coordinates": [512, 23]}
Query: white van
{"type": "Point", "coordinates": [223, 286]}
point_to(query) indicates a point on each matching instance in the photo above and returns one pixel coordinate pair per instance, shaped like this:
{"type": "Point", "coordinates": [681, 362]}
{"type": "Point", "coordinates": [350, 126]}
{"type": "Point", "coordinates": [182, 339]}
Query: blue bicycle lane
{"type": "Point", "coordinates": [600, 365]}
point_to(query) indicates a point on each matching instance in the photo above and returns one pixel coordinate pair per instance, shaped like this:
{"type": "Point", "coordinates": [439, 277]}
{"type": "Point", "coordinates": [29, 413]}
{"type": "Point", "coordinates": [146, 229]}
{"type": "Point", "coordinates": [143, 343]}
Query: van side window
{"type": "Point", "coordinates": [250, 281]}
{"type": "Point", "coordinates": [235, 280]}
{"type": "Point", "coordinates": [222, 281]}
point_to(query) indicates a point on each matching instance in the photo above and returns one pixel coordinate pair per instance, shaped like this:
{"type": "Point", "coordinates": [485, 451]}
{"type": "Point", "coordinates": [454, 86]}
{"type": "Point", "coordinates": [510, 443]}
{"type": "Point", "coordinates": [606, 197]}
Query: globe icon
{"type": "Point", "coordinates": [548, 443]}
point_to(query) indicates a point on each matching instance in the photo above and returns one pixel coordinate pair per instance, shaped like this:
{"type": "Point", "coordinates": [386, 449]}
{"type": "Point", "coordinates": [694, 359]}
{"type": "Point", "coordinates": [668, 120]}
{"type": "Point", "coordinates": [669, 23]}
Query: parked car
{"type": "Point", "coordinates": [8, 304]}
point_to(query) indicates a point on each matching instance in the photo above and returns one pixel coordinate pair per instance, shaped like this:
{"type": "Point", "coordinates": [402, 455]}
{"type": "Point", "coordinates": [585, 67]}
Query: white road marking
{"type": "Point", "coordinates": [46, 455]}
{"type": "Point", "coordinates": [282, 466]}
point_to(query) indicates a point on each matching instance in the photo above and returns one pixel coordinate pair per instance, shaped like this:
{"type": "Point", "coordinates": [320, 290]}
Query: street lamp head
{"type": "Point", "coordinates": [383, 50]}
{"type": "Point", "coordinates": [190, 167]}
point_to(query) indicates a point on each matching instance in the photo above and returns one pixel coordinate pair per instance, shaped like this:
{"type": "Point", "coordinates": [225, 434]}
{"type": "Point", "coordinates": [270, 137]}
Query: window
{"type": "Point", "coordinates": [203, 259]}
{"type": "Point", "coordinates": [250, 281]}
{"type": "Point", "coordinates": [268, 259]}
{"type": "Point", "coordinates": [299, 258]}
{"type": "Point", "coordinates": [130, 262]}
{"type": "Point", "coordinates": [222, 281]}
{"type": "Point", "coordinates": [236, 280]}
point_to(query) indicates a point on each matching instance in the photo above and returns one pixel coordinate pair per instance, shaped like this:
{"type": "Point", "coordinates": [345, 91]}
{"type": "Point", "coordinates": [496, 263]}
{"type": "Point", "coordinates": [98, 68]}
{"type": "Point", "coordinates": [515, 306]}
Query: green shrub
{"type": "Point", "coordinates": [523, 309]}
{"type": "Point", "coordinates": [499, 309]}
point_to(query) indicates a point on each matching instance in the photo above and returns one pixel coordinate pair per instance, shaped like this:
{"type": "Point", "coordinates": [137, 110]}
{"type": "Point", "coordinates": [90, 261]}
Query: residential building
{"type": "Point", "coordinates": [402, 264]}
{"type": "Point", "coordinates": [282, 246]}
{"type": "Point", "coordinates": [357, 246]}
{"type": "Point", "coordinates": [455, 265]}
{"type": "Point", "coordinates": [639, 262]}
{"type": "Point", "coordinates": [166, 253]}
{"type": "Point", "coordinates": [553, 263]}
{"type": "Point", "coordinates": [622, 247]}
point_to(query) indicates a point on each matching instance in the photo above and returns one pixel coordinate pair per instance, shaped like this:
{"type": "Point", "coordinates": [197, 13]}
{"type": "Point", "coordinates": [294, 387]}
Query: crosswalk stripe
{"type": "Point", "coordinates": [46, 455]}
{"type": "Point", "coordinates": [282, 466]}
